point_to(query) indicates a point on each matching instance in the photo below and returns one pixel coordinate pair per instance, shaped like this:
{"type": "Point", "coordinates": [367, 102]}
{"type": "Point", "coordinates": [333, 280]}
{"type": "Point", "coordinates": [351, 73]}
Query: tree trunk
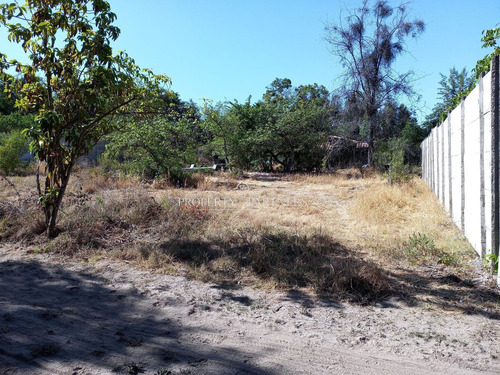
{"type": "Point", "coordinates": [371, 134]}
{"type": "Point", "coordinates": [226, 153]}
{"type": "Point", "coordinates": [52, 205]}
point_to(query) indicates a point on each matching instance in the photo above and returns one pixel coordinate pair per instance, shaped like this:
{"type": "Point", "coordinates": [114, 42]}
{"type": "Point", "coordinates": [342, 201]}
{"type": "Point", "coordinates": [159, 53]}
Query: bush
{"type": "Point", "coordinates": [392, 153]}
{"type": "Point", "coordinates": [12, 148]}
{"type": "Point", "coordinates": [400, 171]}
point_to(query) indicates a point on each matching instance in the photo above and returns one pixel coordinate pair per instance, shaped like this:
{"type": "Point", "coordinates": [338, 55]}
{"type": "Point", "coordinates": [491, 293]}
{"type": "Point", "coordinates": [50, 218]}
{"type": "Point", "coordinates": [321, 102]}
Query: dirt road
{"type": "Point", "coordinates": [59, 317]}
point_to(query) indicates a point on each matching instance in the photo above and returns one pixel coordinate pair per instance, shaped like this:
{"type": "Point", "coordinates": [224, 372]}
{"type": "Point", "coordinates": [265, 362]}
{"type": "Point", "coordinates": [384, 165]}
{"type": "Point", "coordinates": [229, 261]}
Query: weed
{"type": "Point", "coordinates": [490, 262]}
{"type": "Point", "coordinates": [449, 260]}
{"type": "Point", "coordinates": [421, 249]}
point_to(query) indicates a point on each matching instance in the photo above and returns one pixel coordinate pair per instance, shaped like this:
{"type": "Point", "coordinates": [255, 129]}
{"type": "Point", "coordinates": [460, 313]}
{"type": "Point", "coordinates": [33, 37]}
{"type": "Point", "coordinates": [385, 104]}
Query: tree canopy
{"type": "Point", "coordinates": [451, 90]}
{"type": "Point", "coordinates": [490, 39]}
{"type": "Point", "coordinates": [287, 128]}
{"type": "Point", "coordinates": [367, 42]}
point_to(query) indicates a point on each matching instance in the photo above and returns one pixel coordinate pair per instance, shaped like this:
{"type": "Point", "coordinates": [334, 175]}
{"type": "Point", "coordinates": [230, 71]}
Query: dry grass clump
{"type": "Point", "coordinates": [20, 220]}
{"type": "Point", "coordinates": [406, 223]}
{"type": "Point", "coordinates": [92, 181]}
{"type": "Point", "coordinates": [280, 259]}
{"type": "Point", "coordinates": [384, 204]}
{"type": "Point", "coordinates": [333, 177]}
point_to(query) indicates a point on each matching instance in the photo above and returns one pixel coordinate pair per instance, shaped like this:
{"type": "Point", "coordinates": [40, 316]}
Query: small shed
{"type": "Point", "coordinates": [343, 152]}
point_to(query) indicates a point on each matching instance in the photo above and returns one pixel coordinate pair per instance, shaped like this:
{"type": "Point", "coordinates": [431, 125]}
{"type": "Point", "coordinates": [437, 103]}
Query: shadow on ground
{"type": "Point", "coordinates": [332, 272]}
{"type": "Point", "coordinates": [440, 288]}
{"type": "Point", "coordinates": [54, 320]}
{"type": "Point", "coordinates": [285, 260]}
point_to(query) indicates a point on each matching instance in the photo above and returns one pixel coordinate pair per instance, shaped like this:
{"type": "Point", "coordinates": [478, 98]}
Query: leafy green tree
{"type": "Point", "coordinates": [10, 118]}
{"type": "Point", "coordinates": [490, 39]}
{"type": "Point", "coordinates": [12, 148]}
{"type": "Point", "coordinates": [287, 127]}
{"type": "Point", "coordinates": [398, 130]}
{"type": "Point", "coordinates": [246, 146]}
{"type": "Point", "coordinates": [297, 124]}
{"type": "Point", "coordinates": [160, 145]}
{"type": "Point", "coordinates": [220, 128]}
{"type": "Point", "coordinates": [450, 92]}
{"type": "Point", "coordinates": [72, 81]}
{"type": "Point", "coordinates": [391, 120]}
{"type": "Point", "coordinates": [412, 136]}
{"type": "Point", "coordinates": [367, 44]}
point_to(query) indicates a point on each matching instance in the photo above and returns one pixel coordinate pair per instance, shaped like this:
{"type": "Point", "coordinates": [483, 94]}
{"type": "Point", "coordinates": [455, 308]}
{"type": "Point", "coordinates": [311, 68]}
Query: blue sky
{"type": "Point", "coordinates": [230, 49]}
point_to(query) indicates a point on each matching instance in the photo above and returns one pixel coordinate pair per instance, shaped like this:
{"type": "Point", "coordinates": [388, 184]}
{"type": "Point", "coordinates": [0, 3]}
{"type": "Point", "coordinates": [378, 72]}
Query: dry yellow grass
{"type": "Point", "coordinates": [335, 233]}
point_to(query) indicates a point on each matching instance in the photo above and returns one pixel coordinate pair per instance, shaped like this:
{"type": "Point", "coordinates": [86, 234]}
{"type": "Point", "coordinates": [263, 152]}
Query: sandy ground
{"type": "Point", "coordinates": [59, 317]}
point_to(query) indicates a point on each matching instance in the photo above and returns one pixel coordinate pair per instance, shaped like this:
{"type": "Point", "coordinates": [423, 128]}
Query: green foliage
{"type": "Point", "coordinates": [160, 145]}
{"type": "Point", "coordinates": [390, 155]}
{"type": "Point", "coordinates": [397, 129]}
{"type": "Point", "coordinates": [402, 149]}
{"type": "Point", "coordinates": [220, 130]}
{"type": "Point", "coordinates": [421, 244]}
{"type": "Point", "coordinates": [287, 128]}
{"type": "Point", "coordinates": [449, 260]}
{"type": "Point", "coordinates": [420, 248]}
{"type": "Point", "coordinates": [452, 89]}
{"type": "Point", "coordinates": [6, 103]}
{"type": "Point", "coordinates": [12, 147]}
{"type": "Point", "coordinates": [72, 82]}
{"type": "Point", "coordinates": [412, 136]}
{"type": "Point", "coordinates": [16, 121]}
{"type": "Point", "coordinates": [490, 262]}
{"type": "Point", "coordinates": [489, 39]}
{"type": "Point", "coordinates": [154, 147]}
{"type": "Point", "coordinates": [400, 171]}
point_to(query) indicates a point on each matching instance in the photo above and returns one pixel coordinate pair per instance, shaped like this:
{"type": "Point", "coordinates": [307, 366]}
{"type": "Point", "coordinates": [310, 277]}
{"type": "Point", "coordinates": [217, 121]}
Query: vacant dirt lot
{"type": "Point", "coordinates": [407, 295]}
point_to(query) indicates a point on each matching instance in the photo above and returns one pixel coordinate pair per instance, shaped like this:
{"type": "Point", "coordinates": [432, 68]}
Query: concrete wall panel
{"type": "Point", "coordinates": [459, 164]}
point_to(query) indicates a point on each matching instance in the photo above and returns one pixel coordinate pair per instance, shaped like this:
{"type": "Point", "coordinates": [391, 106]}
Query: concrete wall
{"type": "Point", "coordinates": [460, 162]}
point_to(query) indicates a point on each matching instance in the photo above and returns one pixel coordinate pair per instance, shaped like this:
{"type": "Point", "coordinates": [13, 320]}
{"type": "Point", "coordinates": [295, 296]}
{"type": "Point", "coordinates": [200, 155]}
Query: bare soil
{"type": "Point", "coordinates": [68, 317]}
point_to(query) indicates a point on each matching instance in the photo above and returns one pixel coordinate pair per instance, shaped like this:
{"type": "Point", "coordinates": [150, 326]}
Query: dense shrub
{"type": "Point", "coordinates": [12, 148]}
